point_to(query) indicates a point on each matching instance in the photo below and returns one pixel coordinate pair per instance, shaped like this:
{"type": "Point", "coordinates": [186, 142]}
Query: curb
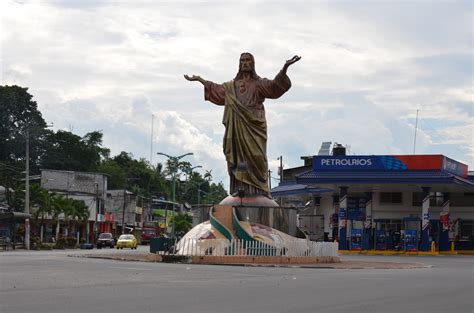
{"type": "Point", "coordinates": [391, 252]}
{"type": "Point", "coordinates": [343, 265]}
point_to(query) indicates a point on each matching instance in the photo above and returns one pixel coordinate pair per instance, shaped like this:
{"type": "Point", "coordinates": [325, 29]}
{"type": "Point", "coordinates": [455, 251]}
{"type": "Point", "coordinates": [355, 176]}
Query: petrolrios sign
{"type": "Point", "coordinates": [389, 162]}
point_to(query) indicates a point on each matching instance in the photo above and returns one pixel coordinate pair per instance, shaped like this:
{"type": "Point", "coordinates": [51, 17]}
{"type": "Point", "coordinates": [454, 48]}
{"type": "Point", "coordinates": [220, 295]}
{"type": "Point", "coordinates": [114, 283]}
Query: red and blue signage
{"type": "Point", "coordinates": [454, 167]}
{"type": "Point", "coordinates": [389, 162]}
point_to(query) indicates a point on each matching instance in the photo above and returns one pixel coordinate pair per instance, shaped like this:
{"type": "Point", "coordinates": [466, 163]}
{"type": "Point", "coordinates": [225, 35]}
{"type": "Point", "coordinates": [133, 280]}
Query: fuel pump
{"type": "Point", "coordinates": [356, 239]}
{"type": "Point", "coordinates": [356, 233]}
{"type": "Point", "coordinates": [411, 227]}
{"type": "Point", "coordinates": [381, 236]}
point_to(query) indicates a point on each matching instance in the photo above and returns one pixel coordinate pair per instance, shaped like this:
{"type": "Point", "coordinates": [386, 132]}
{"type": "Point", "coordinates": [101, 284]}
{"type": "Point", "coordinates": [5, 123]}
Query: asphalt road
{"type": "Point", "coordinates": [52, 281]}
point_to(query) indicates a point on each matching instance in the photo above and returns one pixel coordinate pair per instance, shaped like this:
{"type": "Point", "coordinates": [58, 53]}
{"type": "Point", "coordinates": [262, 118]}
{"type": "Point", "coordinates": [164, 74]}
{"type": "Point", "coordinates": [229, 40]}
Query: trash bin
{"type": "Point", "coordinates": [155, 243]}
{"type": "Point", "coordinates": [158, 244]}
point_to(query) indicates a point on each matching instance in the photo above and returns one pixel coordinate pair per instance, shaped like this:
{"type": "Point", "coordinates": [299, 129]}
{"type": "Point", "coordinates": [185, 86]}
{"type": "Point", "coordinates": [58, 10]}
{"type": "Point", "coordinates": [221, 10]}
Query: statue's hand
{"type": "Point", "coordinates": [192, 78]}
{"type": "Point", "coordinates": [289, 62]}
{"type": "Point", "coordinates": [292, 60]}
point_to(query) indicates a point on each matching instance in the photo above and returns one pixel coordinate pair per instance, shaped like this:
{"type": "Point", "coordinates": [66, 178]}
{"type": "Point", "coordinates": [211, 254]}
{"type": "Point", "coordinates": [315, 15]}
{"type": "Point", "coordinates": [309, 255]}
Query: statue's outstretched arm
{"type": "Point", "coordinates": [294, 59]}
{"type": "Point", "coordinates": [195, 78]}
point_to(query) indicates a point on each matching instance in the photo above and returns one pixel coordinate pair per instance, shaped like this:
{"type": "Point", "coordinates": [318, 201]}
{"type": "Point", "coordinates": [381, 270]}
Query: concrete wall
{"type": "Point", "coordinates": [114, 203]}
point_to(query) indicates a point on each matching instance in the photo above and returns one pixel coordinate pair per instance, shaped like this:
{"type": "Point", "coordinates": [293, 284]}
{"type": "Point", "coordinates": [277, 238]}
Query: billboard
{"type": "Point", "coordinates": [388, 162]}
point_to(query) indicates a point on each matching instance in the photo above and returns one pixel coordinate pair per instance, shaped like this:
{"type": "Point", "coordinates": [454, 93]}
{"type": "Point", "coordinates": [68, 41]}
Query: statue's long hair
{"type": "Point", "coordinates": [253, 73]}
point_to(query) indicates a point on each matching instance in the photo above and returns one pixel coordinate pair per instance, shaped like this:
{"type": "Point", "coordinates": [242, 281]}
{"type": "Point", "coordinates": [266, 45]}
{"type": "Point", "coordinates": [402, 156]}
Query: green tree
{"type": "Point", "coordinates": [135, 175]}
{"type": "Point", "coordinates": [183, 223]}
{"type": "Point", "coordinates": [78, 214]}
{"type": "Point", "coordinates": [117, 174]}
{"type": "Point", "coordinates": [216, 193]}
{"type": "Point", "coordinates": [19, 118]}
{"type": "Point", "coordinates": [18, 201]}
{"type": "Point", "coordinates": [194, 187]}
{"type": "Point", "coordinates": [40, 199]}
{"type": "Point", "coordinates": [59, 204]}
{"type": "Point", "coordinates": [68, 151]}
{"type": "Point", "coordinates": [18, 113]}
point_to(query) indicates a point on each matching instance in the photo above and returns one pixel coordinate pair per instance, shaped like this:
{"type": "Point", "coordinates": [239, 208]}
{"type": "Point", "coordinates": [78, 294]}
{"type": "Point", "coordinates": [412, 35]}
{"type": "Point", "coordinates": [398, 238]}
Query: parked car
{"type": "Point", "coordinates": [148, 233]}
{"type": "Point", "coordinates": [105, 240]}
{"type": "Point", "coordinates": [127, 241]}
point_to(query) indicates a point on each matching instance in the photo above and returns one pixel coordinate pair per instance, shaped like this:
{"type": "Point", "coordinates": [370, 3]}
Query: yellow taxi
{"type": "Point", "coordinates": [127, 241]}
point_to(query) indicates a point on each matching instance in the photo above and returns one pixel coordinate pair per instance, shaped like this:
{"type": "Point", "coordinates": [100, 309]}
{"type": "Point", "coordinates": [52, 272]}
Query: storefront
{"type": "Point", "coordinates": [400, 202]}
{"type": "Point", "coordinates": [12, 226]}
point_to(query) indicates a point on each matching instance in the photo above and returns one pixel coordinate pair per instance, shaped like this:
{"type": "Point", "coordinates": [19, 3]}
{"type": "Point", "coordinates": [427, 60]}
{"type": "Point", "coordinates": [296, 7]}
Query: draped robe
{"type": "Point", "coordinates": [245, 137]}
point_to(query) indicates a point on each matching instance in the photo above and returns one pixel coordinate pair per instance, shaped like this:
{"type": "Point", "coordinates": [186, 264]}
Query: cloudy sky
{"type": "Point", "coordinates": [366, 68]}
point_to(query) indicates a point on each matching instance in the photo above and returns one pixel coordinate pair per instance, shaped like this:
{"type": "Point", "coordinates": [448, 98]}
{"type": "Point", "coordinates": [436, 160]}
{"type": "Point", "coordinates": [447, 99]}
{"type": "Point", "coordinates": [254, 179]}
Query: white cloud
{"type": "Point", "coordinates": [366, 68]}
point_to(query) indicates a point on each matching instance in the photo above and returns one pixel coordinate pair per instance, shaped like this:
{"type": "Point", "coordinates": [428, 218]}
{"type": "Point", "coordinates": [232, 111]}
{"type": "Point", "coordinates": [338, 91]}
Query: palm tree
{"type": "Point", "coordinates": [75, 212]}
{"type": "Point", "coordinates": [59, 205]}
{"type": "Point", "coordinates": [79, 214]}
{"type": "Point", "coordinates": [183, 223]}
{"type": "Point", "coordinates": [41, 199]}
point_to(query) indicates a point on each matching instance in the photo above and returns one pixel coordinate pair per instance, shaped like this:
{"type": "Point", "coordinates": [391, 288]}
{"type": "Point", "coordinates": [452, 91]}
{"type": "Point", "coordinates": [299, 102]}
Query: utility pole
{"type": "Point", "coordinates": [27, 186]}
{"type": "Point", "coordinates": [27, 191]}
{"type": "Point", "coordinates": [416, 128]}
{"type": "Point", "coordinates": [123, 209]}
{"type": "Point", "coordinates": [199, 201]}
{"type": "Point", "coordinates": [97, 204]}
{"type": "Point", "coordinates": [280, 172]}
{"type": "Point", "coordinates": [174, 160]}
{"type": "Point", "coordinates": [151, 140]}
{"type": "Point", "coordinates": [280, 169]}
{"type": "Point", "coordinates": [269, 179]}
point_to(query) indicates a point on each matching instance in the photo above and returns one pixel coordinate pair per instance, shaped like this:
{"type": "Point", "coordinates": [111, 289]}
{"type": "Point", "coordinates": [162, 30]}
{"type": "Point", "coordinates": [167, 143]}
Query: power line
{"type": "Point", "coordinates": [435, 134]}
{"type": "Point", "coordinates": [11, 167]}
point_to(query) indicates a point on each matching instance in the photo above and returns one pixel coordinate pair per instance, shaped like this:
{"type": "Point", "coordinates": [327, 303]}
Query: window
{"type": "Point", "coordinates": [467, 229]}
{"type": "Point", "coordinates": [462, 199]}
{"type": "Point", "coordinates": [105, 236]}
{"type": "Point", "coordinates": [436, 199]}
{"type": "Point", "coordinates": [391, 225]}
{"type": "Point", "coordinates": [390, 198]}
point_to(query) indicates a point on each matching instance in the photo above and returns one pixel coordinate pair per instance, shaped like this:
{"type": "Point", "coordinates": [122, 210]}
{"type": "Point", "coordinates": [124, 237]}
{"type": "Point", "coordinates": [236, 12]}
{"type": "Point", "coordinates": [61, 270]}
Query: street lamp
{"type": "Point", "coordinates": [208, 195]}
{"type": "Point", "coordinates": [192, 168]}
{"type": "Point", "coordinates": [127, 179]}
{"type": "Point", "coordinates": [280, 169]}
{"type": "Point", "coordinates": [189, 171]}
{"type": "Point", "coordinates": [174, 160]}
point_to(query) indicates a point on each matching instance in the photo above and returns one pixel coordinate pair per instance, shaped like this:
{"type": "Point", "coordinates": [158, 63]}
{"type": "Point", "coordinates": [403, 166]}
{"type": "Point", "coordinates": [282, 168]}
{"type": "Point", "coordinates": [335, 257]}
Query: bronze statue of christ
{"type": "Point", "coordinates": [245, 138]}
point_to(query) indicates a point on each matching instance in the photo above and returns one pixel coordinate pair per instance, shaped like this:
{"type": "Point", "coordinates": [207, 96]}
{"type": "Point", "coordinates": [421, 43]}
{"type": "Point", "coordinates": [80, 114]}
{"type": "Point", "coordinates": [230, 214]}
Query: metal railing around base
{"type": "Point", "coordinates": [239, 247]}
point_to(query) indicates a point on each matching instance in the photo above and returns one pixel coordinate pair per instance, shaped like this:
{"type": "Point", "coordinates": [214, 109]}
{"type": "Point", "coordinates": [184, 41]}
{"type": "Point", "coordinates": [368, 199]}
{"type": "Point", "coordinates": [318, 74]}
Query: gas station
{"type": "Point", "coordinates": [389, 202]}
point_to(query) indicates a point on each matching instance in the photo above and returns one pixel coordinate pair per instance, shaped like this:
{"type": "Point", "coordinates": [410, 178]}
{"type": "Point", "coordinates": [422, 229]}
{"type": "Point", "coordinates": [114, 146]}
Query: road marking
{"type": "Point", "coordinates": [131, 268]}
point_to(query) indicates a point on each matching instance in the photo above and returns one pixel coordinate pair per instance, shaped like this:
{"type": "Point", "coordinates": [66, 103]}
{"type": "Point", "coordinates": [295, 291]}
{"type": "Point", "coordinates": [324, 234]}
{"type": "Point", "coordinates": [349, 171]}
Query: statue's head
{"type": "Point", "coordinates": [247, 62]}
{"type": "Point", "coordinates": [246, 65]}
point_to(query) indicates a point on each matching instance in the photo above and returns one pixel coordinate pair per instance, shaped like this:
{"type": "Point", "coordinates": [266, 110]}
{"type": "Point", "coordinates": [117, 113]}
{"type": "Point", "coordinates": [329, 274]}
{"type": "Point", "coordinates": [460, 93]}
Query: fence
{"type": "Point", "coordinates": [239, 247]}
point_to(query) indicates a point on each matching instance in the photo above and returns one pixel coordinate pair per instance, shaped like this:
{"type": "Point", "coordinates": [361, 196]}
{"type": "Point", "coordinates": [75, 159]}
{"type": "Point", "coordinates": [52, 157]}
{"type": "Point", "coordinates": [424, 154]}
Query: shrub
{"type": "Point", "coordinates": [37, 244]}
{"type": "Point", "coordinates": [66, 243]}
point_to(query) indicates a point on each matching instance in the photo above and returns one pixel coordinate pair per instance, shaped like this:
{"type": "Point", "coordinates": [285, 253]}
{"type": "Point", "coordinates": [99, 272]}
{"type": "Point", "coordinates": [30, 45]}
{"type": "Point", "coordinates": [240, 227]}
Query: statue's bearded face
{"type": "Point", "coordinates": [246, 63]}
